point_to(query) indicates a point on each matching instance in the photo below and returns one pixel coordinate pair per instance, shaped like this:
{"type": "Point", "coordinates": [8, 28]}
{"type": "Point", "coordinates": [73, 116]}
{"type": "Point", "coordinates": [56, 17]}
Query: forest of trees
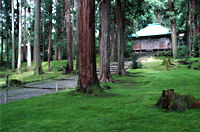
{"type": "Point", "coordinates": [46, 30]}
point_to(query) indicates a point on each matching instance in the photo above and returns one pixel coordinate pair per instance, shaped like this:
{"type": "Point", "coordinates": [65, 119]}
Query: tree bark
{"type": "Point", "coordinates": [195, 30]}
{"type": "Point", "coordinates": [120, 39]}
{"type": "Point", "coordinates": [88, 81]}
{"type": "Point", "coordinates": [6, 44]}
{"type": "Point", "coordinates": [77, 8]}
{"type": "Point", "coordinates": [17, 26]}
{"type": "Point", "coordinates": [68, 34]}
{"type": "Point", "coordinates": [1, 22]}
{"type": "Point", "coordinates": [55, 43]}
{"type": "Point", "coordinates": [50, 36]}
{"type": "Point", "coordinates": [73, 36]}
{"type": "Point", "coordinates": [105, 75]}
{"type": "Point", "coordinates": [194, 21]}
{"type": "Point", "coordinates": [37, 52]}
{"type": "Point", "coordinates": [188, 30]}
{"type": "Point", "coordinates": [158, 16]}
{"type": "Point", "coordinates": [58, 33]}
{"type": "Point", "coordinates": [112, 57]}
{"type": "Point", "coordinates": [29, 34]}
{"type": "Point", "coordinates": [24, 48]}
{"type": "Point", "coordinates": [173, 30]}
{"type": "Point", "coordinates": [13, 38]}
{"type": "Point", "coordinates": [59, 53]}
{"type": "Point", "coordinates": [7, 6]}
{"type": "Point", "coordinates": [43, 34]}
{"type": "Point", "coordinates": [20, 38]}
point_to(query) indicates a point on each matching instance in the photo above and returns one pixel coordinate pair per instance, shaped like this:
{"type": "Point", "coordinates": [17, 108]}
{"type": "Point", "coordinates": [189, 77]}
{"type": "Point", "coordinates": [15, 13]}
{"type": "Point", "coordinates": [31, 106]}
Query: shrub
{"type": "Point", "coordinates": [135, 64]}
{"type": "Point", "coordinates": [196, 46]}
{"type": "Point", "coordinates": [166, 53]}
{"type": "Point", "coordinates": [183, 53]}
{"type": "Point", "coordinates": [128, 50]}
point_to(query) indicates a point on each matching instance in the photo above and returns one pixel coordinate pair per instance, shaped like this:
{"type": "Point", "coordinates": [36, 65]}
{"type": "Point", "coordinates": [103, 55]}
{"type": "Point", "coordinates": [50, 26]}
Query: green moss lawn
{"type": "Point", "coordinates": [128, 106]}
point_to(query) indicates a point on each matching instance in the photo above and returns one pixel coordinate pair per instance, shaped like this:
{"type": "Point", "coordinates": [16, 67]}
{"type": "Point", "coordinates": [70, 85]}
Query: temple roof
{"type": "Point", "coordinates": [152, 30]}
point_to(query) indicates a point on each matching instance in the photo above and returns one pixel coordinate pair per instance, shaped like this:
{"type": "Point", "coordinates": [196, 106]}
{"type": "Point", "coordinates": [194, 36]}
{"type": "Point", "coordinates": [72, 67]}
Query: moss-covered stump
{"type": "Point", "coordinates": [176, 102]}
{"type": "Point", "coordinates": [167, 63]}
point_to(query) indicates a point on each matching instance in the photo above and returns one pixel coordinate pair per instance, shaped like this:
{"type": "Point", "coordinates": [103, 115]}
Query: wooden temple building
{"type": "Point", "coordinates": [152, 38]}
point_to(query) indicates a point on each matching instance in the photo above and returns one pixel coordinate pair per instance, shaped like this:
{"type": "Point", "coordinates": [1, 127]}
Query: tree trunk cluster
{"type": "Point", "coordinates": [176, 102]}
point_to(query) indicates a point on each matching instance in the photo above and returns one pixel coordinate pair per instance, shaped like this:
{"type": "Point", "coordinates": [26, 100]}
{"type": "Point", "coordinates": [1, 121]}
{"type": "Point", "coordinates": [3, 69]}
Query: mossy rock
{"type": "Point", "coordinates": [15, 82]}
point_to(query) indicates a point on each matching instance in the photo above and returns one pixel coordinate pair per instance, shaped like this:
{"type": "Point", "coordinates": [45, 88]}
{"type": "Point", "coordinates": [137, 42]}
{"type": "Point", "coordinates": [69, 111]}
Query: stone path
{"type": "Point", "coordinates": [66, 83]}
{"type": "Point", "coordinates": [23, 93]}
{"type": "Point", "coordinates": [39, 88]}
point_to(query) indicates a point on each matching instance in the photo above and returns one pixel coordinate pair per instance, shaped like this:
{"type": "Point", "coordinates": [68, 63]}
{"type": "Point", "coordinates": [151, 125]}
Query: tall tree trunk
{"type": "Point", "coordinates": [173, 30]}
{"type": "Point", "coordinates": [2, 44]}
{"type": "Point", "coordinates": [13, 38]}
{"type": "Point", "coordinates": [100, 22]}
{"type": "Point", "coordinates": [73, 35]}
{"type": "Point", "coordinates": [120, 39]}
{"type": "Point", "coordinates": [59, 53]}
{"type": "Point", "coordinates": [62, 28]}
{"type": "Point", "coordinates": [29, 43]}
{"type": "Point", "coordinates": [195, 30]}
{"type": "Point", "coordinates": [38, 66]}
{"type": "Point", "coordinates": [55, 44]}
{"type": "Point", "coordinates": [194, 20]}
{"type": "Point", "coordinates": [7, 4]}
{"type": "Point", "coordinates": [188, 30]}
{"type": "Point", "coordinates": [24, 48]}
{"type": "Point", "coordinates": [1, 22]}
{"type": "Point", "coordinates": [6, 44]}
{"type": "Point", "coordinates": [68, 34]}
{"type": "Point", "coordinates": [88, 81]}
{"type": "Point", "coordinates": [43, 34]}
{"type": "Point", "coordinates": [158, 17]}
{"type": "Point", "coordinates": [112, 57]}
{"type": "Point", "coordinates": [125, 40]}
{"type": "Point", "coordinates": [17, 25]}
{"type": "Point", "coordinates": [105, 75]}
{"type": "Point", "coordinates": [50, 37]}
{"type": "Point", "coordinates": [77, 8]}
{"type": "Point", "coordinates": [57, 32]}
{"type": "Point", "coordinates": [20, 38]}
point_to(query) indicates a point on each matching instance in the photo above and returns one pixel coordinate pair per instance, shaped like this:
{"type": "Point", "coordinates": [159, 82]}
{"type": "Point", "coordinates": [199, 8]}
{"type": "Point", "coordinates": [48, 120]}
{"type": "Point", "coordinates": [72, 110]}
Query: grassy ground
{"type": "Point", "coordinates": [128, 106]}
{"type": "Point", "coordinates": [28, 76]}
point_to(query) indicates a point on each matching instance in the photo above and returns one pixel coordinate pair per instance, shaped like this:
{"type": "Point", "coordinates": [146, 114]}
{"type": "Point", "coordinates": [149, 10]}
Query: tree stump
{"type": "Point", "coordinates": [167, 63]}
{"type": "Point", "coordinates": [176, 102]}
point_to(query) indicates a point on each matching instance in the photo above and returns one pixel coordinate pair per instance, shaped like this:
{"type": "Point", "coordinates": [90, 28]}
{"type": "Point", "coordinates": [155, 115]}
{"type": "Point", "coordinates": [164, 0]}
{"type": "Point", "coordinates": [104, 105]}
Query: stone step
{"type": "Point", "coordinates": [113, 66]}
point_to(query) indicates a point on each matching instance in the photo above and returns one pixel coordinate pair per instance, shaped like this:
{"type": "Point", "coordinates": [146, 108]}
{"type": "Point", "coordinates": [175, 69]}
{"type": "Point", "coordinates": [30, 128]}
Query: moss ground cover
{"type": "Point", "coordinates": [128, 106]}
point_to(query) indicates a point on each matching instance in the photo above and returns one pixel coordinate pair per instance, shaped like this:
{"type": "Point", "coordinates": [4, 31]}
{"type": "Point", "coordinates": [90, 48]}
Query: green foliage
{"type": "Point", "coordinates": [129, 49]}
{"type": "Point", "coordinates": [183, 53]}
{"type": "Point", "coordinates": [196, 46]}
{"type": "Point", "coordinates": [166, 53]}
{"type": "Point", "coordinates": [135, 64]}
